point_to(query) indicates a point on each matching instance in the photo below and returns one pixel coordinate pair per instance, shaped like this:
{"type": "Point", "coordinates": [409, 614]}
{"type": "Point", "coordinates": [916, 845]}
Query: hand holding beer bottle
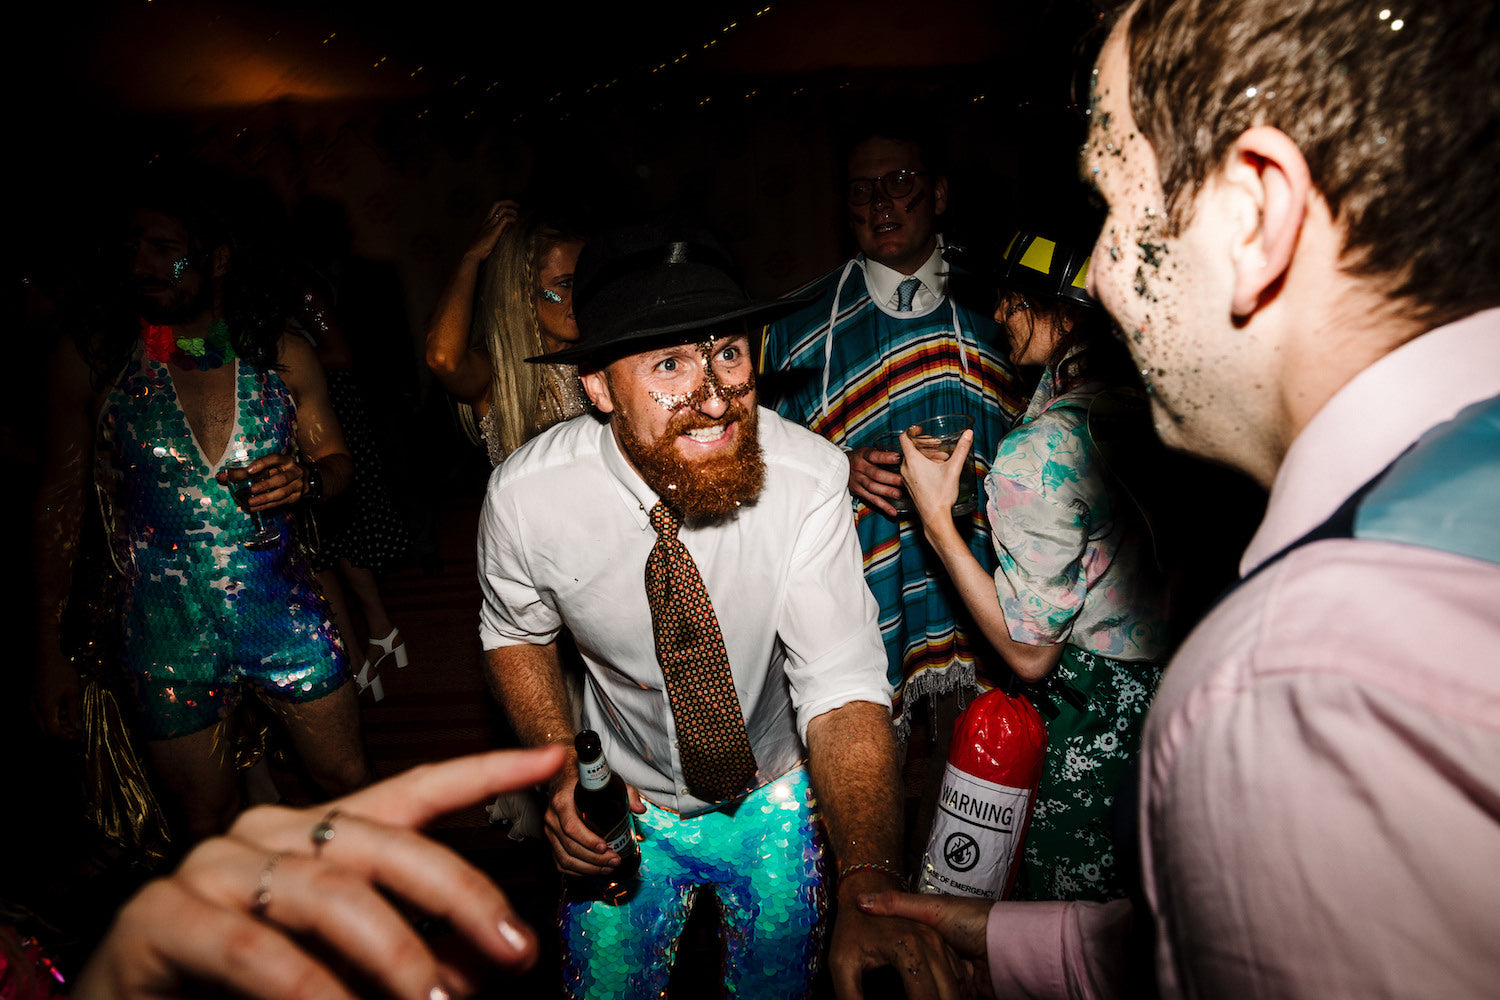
{"type": "Point", "coordinates": [603, 804]}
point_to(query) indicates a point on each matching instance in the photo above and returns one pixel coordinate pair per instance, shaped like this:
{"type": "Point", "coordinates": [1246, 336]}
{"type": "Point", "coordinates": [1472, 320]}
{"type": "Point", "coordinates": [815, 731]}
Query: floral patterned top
{"type": "Point", "coordinates": [1072, 567]}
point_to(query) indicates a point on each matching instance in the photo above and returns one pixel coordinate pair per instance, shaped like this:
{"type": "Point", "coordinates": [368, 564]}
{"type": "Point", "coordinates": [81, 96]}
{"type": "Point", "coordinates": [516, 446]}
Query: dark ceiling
{"type": "Point", "coordinates": [185, 55]}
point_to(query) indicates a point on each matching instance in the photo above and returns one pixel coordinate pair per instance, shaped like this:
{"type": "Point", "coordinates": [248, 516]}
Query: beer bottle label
{"type": "Point", "coordinates": [594, 775]}
{"type": "Point", "coordinates": [621, 837]}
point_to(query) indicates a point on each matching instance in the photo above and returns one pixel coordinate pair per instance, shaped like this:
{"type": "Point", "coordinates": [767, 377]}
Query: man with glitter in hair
{"type": "Point", "coordinates": [576, 530]}
{"type": "Point", "coordinates": [1301, 248]}
{"type": "Point", "coordinates": [157, 407]}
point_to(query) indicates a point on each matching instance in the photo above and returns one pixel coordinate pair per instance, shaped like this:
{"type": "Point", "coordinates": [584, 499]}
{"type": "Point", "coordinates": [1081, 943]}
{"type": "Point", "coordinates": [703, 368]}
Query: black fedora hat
{"type": "Point", "coordinates": [652, 283]}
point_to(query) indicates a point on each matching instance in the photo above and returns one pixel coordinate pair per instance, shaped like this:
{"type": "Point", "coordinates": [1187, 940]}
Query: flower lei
{"type": "Point", "coordinates": [202, 353]}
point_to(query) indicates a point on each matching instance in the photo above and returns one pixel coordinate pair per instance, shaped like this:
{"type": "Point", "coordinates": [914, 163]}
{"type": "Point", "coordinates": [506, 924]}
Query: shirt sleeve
{"type": "Point", "coordinates": [1322, 797]}
{"type": "Point", "coordinates": [1057, 950]}
{"type": "Point", "coordinates": [829, 621]}
{"type": "Point", "coordinates": [513, 610]}
{"type": "Point", "coordinates": [1040, 516]}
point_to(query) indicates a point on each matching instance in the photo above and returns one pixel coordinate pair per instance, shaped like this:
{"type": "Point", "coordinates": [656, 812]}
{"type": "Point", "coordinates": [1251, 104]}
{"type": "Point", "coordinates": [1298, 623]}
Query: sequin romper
{"type": "Point", "coordinates": [203, 616]}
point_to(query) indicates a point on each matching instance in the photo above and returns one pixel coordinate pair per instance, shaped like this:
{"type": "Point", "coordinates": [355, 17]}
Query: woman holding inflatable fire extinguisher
{"type": "Point", "coordinates": [1076, 607]}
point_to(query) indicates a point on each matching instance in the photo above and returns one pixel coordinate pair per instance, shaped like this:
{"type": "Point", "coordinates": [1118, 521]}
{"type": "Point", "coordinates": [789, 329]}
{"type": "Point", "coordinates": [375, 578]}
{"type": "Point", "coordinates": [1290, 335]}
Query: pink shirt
{"type": "Point", "coordinates": [1321, 767]}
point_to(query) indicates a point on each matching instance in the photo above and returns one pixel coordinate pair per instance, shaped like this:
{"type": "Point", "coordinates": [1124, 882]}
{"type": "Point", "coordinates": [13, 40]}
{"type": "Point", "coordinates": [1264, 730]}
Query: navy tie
{"type": "Point", "coordinates": [904, 293]}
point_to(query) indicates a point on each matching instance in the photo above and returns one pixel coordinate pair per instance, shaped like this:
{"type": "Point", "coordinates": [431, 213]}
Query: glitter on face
{"type": "Point", "coordinates": [1163, 283]}
{"type": "Point", "coordinates": [1141, 288]}
{"type": "Point", "coordinates": [179, 268]}
{"type": "Point", "coordinates": [709, 388]}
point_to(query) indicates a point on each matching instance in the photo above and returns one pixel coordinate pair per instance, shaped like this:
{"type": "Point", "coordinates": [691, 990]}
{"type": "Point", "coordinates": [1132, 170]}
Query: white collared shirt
{"type": "Point", "coordinates": [884, 282]}
{"type": "Point", "coordinates": [563, 540]}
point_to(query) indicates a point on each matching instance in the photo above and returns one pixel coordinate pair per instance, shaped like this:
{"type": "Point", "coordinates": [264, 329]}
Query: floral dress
{"type": "Point", "coordinates": [1074, 570]}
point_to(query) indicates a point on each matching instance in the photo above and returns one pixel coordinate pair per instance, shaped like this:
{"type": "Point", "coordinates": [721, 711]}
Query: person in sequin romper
{"type": "Point", "coordinates": [159, 412]}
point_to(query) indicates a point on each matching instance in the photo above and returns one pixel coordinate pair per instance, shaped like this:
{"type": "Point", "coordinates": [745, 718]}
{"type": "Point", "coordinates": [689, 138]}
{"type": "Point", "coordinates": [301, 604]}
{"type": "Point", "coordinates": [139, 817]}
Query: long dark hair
{"type": "Point", "coordinates": [1103, 358]}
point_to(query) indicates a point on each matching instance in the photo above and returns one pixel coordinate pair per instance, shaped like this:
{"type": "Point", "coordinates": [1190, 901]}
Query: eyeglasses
{"type": "Point", "coordinates": [893, 185]}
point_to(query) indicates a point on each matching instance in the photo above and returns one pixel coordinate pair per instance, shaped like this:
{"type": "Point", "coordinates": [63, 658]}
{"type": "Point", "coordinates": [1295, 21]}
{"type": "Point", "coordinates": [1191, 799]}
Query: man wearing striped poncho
{"type": "Point", "coordinates": [901, 350]}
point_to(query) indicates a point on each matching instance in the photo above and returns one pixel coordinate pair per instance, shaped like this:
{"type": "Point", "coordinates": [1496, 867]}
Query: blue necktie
{"type": "Point", "coordinates": [904, 293]}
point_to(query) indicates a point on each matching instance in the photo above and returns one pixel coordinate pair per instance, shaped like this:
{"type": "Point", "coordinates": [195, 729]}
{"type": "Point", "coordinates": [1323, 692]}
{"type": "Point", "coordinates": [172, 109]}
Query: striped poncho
{"type": "Point", "coordinates": [879, 373]}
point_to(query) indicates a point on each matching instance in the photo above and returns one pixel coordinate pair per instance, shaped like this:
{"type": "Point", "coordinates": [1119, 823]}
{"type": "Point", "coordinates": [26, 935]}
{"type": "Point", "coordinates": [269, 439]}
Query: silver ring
{"type": "Point", "coordinates": [323, 832]}
{"type": "Point", "coordinates": [263, 886]}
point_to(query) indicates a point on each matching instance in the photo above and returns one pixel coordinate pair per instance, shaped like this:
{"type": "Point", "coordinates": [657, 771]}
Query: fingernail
{"type": "Point", "coordinates": [437, 993]}
{"type": "Point", "coordinates": [512, 935]}
{"type": "Point", "coordinates": [866, 899]}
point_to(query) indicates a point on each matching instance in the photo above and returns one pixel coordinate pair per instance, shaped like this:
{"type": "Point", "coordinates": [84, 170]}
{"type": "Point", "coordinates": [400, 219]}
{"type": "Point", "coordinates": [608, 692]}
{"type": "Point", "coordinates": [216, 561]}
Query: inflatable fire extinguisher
{"type": "Point", "coordinates": [989, 788]}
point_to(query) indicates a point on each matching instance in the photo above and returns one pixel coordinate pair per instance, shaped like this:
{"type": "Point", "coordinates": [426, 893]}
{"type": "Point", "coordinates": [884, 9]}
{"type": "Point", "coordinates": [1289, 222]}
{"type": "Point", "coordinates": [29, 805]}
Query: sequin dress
{"type": "Point", "coordinates": [202, 615]}
{"type": "Point", "coordinates": [561, 398]}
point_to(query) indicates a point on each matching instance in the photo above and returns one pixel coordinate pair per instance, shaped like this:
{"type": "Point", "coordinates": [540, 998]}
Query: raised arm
{"type": "Point", "coordinates": [464, 371]}
{"type": "Point", "coordinates": [57, 517]}
{"type": "Point", "coordinates": [933, 487]}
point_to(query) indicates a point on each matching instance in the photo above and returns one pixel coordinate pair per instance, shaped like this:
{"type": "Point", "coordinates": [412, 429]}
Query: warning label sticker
{"type": "Point", "coordinates": [975, 835]}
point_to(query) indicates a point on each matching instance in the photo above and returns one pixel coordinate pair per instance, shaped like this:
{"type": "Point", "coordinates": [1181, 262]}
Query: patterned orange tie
{"type": "Point", "coordinates": [711, 739]}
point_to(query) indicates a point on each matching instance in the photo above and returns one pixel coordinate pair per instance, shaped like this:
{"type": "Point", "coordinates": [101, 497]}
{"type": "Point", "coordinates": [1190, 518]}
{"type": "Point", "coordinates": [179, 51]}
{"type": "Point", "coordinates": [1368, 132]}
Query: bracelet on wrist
{"type": "Point", "coordinates": [873, 866]}
{"type": "Point", "coordinates": [312, 484]}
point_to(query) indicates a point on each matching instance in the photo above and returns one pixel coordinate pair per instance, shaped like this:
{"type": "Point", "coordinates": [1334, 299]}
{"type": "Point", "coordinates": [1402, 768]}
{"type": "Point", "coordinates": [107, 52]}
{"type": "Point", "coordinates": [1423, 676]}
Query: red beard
{"type": "Point", "coordinates": [705, 489]}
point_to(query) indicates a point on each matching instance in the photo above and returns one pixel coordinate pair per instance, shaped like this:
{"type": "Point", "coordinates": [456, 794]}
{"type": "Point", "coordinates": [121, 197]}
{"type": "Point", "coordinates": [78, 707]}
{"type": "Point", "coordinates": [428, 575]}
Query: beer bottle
{"type": "Point", "coordinates": [604, 806]}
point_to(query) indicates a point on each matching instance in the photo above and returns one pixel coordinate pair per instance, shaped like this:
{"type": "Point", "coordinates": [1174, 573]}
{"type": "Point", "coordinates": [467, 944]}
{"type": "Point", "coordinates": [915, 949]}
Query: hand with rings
{"type": "Point", "coordinates": [235, 913]}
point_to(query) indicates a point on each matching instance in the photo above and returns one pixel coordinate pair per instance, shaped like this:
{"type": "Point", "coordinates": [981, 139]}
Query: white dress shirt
{"type": "Point", "coordinates": [563, 540]}
{"type": "Point", "coordinates": [884, 282]}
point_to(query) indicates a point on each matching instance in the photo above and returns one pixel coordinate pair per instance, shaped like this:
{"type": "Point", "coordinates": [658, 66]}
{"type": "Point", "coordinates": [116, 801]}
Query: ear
{"type": "Point", "coordinates": [1269, 174]}
{"type": "Point", "coordinates": [220, 260]}
{"type": "Point", "coordinates": [940, 196]}
{"type": "Point", "coordinates": [597, 387]}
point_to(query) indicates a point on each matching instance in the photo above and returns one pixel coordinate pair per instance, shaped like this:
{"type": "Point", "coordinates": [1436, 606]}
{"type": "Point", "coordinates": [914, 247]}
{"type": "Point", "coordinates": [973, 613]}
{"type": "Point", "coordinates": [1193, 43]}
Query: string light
{"type": "Point", "coordinates": [561, 106]}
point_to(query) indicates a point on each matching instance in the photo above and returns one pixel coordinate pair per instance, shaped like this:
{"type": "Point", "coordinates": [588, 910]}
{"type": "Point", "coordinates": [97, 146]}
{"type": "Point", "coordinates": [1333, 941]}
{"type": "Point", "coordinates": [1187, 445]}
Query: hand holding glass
{"type": "Point", "coordinates": [936, 438]}
{"type": "Point", "coordinates": [241, 482]}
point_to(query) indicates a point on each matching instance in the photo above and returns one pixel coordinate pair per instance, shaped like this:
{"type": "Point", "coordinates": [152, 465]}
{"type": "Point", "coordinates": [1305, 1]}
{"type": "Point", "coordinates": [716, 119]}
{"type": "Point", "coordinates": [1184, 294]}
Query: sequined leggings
{"type": "Point", "coordinates": [763, 861]}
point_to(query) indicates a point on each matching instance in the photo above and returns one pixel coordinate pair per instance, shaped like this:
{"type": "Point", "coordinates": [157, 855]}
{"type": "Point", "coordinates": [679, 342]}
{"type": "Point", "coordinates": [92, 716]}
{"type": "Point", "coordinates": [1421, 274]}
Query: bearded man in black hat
{"type": "Point", "coordinates": [701, 552]}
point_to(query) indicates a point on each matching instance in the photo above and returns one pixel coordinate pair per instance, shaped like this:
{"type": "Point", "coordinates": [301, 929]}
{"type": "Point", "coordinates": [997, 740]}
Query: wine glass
{"type": "Point", "coordinates": [237, 471]}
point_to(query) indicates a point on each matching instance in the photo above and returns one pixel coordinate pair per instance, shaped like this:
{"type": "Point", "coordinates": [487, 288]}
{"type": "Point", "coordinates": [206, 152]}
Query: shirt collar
{"type": "Point", "coordinates": [1372, 420]}
{"type": "Point", "coordinates": [882, 280]}
{"type": "Point", "coordinates": [628, 484]}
